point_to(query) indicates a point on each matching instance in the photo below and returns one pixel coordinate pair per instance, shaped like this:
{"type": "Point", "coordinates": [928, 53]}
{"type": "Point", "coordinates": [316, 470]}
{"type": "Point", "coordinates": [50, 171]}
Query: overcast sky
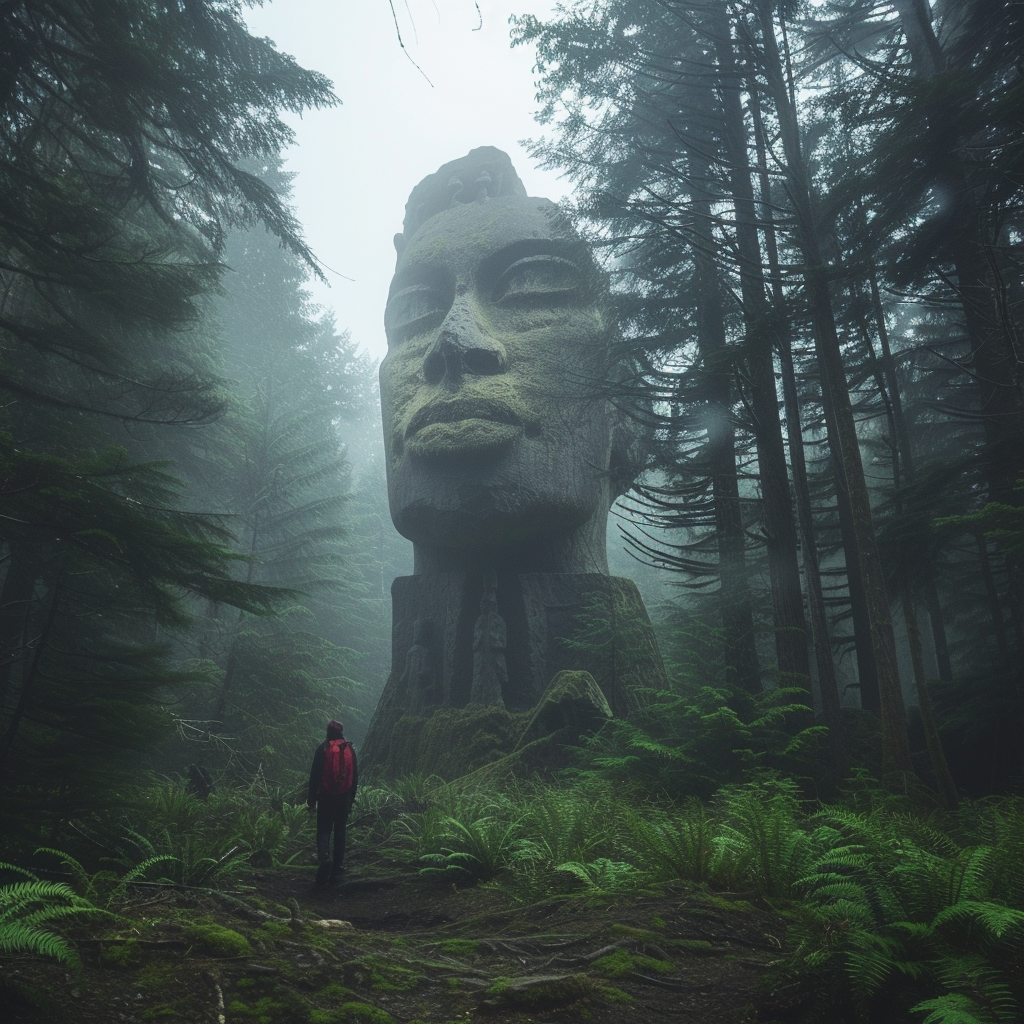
{"type": "Point", "coordinates": [357, 162]}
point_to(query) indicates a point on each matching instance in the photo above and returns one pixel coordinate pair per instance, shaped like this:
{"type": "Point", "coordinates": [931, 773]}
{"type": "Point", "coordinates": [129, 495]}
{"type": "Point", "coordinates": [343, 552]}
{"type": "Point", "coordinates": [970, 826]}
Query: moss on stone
{"type": "Point", "coordinates": [120, 954]}
{"type": "Point", "coordinates": [460, 947]}
{"type": "Point", "coordinates": [160, 984]}
{"type": "Point", "coordinates": [695, 947]}
{"type": "Point", "coordinates": [265, 1010]}
{"type": "Point", "coordinates": [573, 703]}
{"type": "Point", "coordinates": [218, 941]}
{"type": "Point", "coordinates": [333, 993]}
{"type": "Point", "coordinates": [266, 1001]}
{"type": "Point", "coordinates": [389, 977]}
{"type": "Point", "coordinates": [538, 992]}
{"type": "Point", "coordinates": [452, 742]}
{"type": "Point", "coordinates": [363, 1013]}
{"type": "Point", "coordinates": [610, 994]}
{"type": "Point", "coordinates": [621, 964]}
{"type": "Point", "coordinates": [326, 1017]}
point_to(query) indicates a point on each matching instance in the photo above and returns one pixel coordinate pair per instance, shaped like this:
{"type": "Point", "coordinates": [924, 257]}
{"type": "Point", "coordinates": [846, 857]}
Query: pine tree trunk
{"type": "Point", "coordinates": [994, 605]}
{"type": "Point", "coordinates": [30, 668]}
{"type": "Point", "coordinates": [828, 687]}
{"type": "Point", "coordinates": [780, 534]}
{"type": "Point", "coordinates": [742, 668]}
{"type": "Point", "coordinates": [843, 439]}
{"type": "Point", "coordinates": [905, 469]}
{"type": "Point", "coordinates": [940, 767]}
{"type": "Point", "coordinates": [15, 615]}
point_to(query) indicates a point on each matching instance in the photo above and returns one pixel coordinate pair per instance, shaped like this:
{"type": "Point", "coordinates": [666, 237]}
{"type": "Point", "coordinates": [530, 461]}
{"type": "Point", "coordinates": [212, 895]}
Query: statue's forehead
{"type": "Point", "coordinates": [460, 238]}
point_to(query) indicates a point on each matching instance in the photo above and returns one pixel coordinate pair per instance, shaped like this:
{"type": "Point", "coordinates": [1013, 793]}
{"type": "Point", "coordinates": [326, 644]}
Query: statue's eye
{"type": "Point", "coordinates": [538, 279]}
{"type": "Point", "coordinates": [412, 310]}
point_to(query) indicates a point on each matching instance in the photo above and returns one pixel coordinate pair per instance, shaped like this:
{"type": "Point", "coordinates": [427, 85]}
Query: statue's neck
{"type": "Point", "coordinates": [582, 551]}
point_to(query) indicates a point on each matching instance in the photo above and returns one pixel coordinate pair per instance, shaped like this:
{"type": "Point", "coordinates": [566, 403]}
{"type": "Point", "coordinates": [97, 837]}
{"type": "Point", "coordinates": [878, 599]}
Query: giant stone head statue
{"type": "Point", "coordinates": [502, 450]}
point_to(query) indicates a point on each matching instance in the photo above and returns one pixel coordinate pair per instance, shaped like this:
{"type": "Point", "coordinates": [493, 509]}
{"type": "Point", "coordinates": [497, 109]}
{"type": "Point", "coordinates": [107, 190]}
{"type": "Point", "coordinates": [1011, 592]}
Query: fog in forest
{"type": "Point", "coordinates": [798, 228]}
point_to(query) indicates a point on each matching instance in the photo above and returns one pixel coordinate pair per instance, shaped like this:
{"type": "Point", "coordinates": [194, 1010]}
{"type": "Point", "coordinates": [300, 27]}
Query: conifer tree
{"type": "Point", "coordinates": [123, 127]}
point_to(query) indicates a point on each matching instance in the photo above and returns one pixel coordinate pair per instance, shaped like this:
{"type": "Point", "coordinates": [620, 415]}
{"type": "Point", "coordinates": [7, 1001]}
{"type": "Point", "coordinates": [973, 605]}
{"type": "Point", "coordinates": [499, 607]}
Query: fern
{"type": "Point", "coordinates": [762, 835]}
{"type": "Point", "coordinates": [566, 825]}
{"type": "Point", "coordinates": [890, 896]}
{"type": "Point", "coordinates": [479, 848]}
{"type": "Point", "coordinates": [995, 917]}
{"type": "Point", "coordinates": [953, 1008]}
{"type": "Point", "coordinates": [26, 907]}
{"type": "Point", "coordinates": [450, 862]}
{"type": "Point", "coordinates": [604, 877]}
{"type": "Point", "coordinates": [676, 845]}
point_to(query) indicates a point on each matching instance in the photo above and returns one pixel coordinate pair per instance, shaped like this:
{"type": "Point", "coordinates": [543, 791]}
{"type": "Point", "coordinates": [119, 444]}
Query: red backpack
{"type": "Point", "coordinates": [338, 768]}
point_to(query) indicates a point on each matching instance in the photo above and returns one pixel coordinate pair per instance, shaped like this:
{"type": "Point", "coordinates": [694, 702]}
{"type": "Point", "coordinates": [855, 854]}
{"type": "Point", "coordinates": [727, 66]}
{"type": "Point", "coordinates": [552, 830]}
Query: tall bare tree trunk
{"type": "Point", "coordinates": [780, 534]}
{"type": "Point", "coordinates": [742, 668]}
{"type": "Point", "coordinates": [851, 485]}
{"type": "Point", "coordinates": [828, 687]}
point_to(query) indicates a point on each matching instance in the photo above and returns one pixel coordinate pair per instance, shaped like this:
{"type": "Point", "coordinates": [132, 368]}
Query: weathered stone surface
{"type": "Point", "coordinates": [504, 455]}
{"type": "Point", "coordinates": [449, 742]}
{"type": "Point", "coordinates": [573, 706]}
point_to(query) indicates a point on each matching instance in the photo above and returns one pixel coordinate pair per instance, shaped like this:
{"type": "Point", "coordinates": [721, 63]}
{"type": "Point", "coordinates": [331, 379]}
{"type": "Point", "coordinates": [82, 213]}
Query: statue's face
{"type": "Point", "coordinates": [494, 432]}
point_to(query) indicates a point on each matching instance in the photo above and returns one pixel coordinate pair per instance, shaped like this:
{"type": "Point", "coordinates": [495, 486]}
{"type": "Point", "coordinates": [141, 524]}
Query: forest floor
{"type": "Point", "coordinates": [389, 944]}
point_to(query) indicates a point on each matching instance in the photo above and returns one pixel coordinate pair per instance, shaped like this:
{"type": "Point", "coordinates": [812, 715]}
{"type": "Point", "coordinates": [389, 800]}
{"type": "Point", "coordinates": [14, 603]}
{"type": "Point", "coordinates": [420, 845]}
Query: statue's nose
{"type": "Point", "coordinates": [463, 347]}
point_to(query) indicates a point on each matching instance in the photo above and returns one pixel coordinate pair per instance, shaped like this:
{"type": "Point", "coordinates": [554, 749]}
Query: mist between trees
{"type": "Point", "coordinates": [194, 559]}
{"type": "Point", "coordinates": [811, 213]}
{"type": "Point", "coordinates": [811, 216]}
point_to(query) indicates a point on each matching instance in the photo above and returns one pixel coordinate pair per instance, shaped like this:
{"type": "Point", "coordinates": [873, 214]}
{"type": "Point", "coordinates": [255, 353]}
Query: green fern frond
{"type": "Point", "coordinates": [81, 880]}
{"type": "Point", "coordinates": [18, 937]}
{"type": "Point", "coordinates": [805, 738]}
{"type": "Point", "coordinates": [137, 872]}
{"type": "Point", "coordinates": [868, 969]}
{"type": "Point", "coordinates": [28, 875]}
{"type": "Point", "coordinates": [998, 919]}
{"type": "Point", "coordinates": [953, 1008]}
{"type": "Point", "coordinates": [969, 877]}
{"type": "Point", "coordinates": [675, 845]}
{"type": "Point", "coordinates": [26, 906]}
{"type": "Point", "coordinates": [603, 877]}
{"type": "Point", "coordinates": [975, 974]}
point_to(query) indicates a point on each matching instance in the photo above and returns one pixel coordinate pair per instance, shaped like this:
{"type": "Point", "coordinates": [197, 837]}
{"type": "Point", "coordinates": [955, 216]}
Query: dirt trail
{"type": "Point", "coordinates": [391, 945]}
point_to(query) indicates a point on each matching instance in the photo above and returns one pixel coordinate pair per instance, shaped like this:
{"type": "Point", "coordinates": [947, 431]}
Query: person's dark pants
{"type": "Point", "coordinates": [331, 817]}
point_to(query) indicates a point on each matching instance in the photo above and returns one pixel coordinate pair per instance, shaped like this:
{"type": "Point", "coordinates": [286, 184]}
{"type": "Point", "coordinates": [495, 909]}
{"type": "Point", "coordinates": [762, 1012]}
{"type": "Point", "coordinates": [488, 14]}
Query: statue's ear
{"type": "Point", "coordinates": [399, 243]}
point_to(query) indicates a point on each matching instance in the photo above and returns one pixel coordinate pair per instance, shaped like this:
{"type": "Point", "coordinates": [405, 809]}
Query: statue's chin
{"type": "Point", "coordinates": [438, 442]}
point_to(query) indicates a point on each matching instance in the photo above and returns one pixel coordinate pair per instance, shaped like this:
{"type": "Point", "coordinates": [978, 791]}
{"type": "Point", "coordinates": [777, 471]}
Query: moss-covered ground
{"type": "Point", "coordinates": [390, 944]}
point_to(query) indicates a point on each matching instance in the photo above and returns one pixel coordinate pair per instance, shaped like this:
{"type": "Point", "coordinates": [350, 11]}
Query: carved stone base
{"type": "Point", "coordinates": [497, 639]}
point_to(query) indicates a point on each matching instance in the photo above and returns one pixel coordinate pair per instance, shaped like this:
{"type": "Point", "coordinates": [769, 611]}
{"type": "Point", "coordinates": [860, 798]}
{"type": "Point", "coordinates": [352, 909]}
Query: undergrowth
{"type": "Point", "coordinates": [893, 913]}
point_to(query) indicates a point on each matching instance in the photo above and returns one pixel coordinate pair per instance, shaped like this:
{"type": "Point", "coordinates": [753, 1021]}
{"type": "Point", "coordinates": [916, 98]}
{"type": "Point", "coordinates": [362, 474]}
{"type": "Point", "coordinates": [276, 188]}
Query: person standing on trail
{"type": "Point", "coordinates": [332, 789]}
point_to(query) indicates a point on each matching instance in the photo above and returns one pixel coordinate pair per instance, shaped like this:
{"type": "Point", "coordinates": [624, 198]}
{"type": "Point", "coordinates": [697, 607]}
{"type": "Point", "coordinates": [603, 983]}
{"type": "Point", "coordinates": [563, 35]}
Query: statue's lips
{"type": "Point", "coordinates": [463, 426]}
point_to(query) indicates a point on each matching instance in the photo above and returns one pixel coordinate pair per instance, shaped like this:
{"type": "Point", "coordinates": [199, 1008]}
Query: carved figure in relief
{"type": "Point", "coordinates": [418, 679]}
{"type": "Point", "coordinates": [490, 672]}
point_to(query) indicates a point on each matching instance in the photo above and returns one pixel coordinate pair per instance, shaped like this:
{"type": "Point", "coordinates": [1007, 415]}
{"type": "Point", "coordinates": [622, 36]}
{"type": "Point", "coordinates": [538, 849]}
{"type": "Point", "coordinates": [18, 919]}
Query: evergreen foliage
{"type": "Point", "coordinates": [27, 910]}
{"type": "Point", "coordinates": [779, 200]}
{"type": "Point", "coordinates": [123, 132]}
